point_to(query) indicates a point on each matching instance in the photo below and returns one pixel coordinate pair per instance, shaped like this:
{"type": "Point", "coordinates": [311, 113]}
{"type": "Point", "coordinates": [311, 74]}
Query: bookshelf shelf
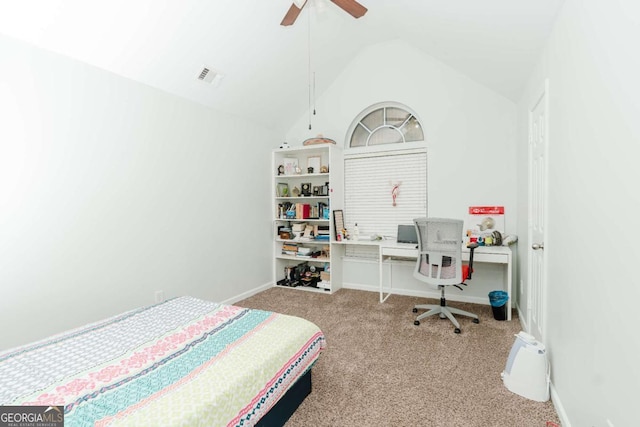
{"type": "Point", "coordinates": [304, 242]}
{"type": "Point", "coordinates": [310, 198]}
{"type": "Point", "coordinates": [302, 220]}
{"type": "Point", "coordinates": [303, 175]}
{"type": "Point", "coordinates": [303, 259]}
{"type": "Point", "coordinates": [302, 198]}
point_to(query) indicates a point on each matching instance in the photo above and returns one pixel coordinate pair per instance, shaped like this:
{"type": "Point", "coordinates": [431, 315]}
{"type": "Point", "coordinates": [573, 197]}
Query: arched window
{"type": "Point", "coordinates": [384, 123]}
{"type": "Point", "coordinates": [385, 172]}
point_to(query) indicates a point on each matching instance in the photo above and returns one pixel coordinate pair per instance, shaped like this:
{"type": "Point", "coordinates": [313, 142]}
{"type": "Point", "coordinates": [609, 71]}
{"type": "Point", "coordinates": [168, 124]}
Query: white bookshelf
{"type": "Point", "coordinates": [324, 193]}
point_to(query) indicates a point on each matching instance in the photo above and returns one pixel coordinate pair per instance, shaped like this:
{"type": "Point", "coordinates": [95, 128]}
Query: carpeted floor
{"type": "Point", "coordinates": [380, 370]}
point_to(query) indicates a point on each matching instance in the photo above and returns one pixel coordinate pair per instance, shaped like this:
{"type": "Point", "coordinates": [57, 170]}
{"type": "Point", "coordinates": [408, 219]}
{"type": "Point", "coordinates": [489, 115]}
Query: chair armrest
{"type": "Point", "coordinates": [472, 247]}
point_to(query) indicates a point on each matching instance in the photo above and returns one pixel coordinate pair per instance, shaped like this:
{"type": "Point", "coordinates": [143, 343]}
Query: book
{"type": "Point", "coordinates": [303, 211]}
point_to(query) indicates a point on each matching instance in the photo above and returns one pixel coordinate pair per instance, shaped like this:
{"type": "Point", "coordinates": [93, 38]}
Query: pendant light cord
{"type": "Point", "coordinates": [309, 58]}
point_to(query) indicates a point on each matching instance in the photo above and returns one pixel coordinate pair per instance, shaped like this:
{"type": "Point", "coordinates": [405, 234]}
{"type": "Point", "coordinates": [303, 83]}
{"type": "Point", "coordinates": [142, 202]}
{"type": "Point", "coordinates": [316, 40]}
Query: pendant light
{"type": "Point", "coordinates": [311, 75]}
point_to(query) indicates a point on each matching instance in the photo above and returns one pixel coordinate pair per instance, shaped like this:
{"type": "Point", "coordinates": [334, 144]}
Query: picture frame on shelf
{"type": "Point", "coordinates": [338, 223]}
{"type": "Point", "coordinates": [306, 189]}
{"type": "Point", "coordinates": [323, 190]}
{"type": "Point", "coordinates": [313, 164]}
{"type": "Point", "coordinates": [290, 165]}
{"type": "Point", "coordinates": [282, 189]}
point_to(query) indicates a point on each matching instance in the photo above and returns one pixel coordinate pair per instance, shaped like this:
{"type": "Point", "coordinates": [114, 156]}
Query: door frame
{"type": "Point", "coordinates": [543, 91]}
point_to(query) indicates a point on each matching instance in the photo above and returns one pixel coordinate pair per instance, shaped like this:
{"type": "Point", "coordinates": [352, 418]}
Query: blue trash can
{"type": "Point", "coordinates": [498, 300]}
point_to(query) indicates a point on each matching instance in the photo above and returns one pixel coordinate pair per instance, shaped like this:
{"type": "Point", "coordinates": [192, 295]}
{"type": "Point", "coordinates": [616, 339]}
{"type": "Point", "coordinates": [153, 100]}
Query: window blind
{"type": "Point", "coordinates": [369, 181]}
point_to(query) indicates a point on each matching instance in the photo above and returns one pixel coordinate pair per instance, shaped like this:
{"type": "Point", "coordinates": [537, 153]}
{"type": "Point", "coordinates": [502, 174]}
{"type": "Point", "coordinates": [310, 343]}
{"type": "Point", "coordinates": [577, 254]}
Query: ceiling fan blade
{"type": "Point", "coordinates": [352, 7]}
{"type": "Point", "coordinates": [292, 14]}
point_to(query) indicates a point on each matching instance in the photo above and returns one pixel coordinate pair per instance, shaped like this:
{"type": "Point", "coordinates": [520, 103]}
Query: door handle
{"type": "Point", "coordinates": [537, 246]}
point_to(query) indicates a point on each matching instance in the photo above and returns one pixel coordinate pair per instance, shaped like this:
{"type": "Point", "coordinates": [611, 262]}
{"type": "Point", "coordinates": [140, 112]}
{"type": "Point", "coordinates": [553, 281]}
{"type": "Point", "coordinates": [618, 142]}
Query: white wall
{"type": "Point", "coordinates": [111, 190]}
{"type": "Point", "coordinates": [470, 132]}
{"type": "Point", "coordinates": [592, 248]}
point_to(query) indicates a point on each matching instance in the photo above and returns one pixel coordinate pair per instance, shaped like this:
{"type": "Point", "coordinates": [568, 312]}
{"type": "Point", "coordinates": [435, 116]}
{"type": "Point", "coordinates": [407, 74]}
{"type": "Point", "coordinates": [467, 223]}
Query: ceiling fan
{"type": "Point", "coordinates": [352, 7]}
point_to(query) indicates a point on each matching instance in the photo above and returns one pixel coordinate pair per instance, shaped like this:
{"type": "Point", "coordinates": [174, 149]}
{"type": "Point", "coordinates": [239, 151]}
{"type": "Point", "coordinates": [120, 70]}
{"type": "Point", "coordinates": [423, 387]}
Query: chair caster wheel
{"type": "Point", "coordinates": [415, 310]}
{"type": "Point", "coordinates": [416, 322]}
{"type": "Point", "coordinates": [457, 330]}
{"type": "Point", "coordinates": [476, 320]}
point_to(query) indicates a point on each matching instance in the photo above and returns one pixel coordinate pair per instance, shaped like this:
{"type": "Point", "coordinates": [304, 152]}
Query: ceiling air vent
{"type": "Point", "coordinates": [209, 75]}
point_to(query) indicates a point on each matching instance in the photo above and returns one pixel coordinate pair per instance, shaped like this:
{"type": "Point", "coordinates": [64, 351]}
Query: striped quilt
{"type": "Point", "coordinates": [183, 362]}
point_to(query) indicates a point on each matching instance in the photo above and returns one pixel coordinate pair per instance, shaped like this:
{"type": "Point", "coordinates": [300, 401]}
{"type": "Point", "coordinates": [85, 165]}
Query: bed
{"type": "Point", "coordinates": [182, 362]}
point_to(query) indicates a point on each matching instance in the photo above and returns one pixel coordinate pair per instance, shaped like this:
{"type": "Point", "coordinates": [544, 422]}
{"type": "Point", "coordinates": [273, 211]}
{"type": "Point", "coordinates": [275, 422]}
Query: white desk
{"type": "Point", "coordinates": [389, 250]}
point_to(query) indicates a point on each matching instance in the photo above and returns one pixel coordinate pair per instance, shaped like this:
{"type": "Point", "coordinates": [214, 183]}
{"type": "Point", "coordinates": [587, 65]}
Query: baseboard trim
{"type": "Point", "coordinates": [523, 318]}
{"type": "Point", "coordinates": [248, 293]}
{"type": "Point", "coordinates": [414, 293]}
{"type": "Point", "coordinates": [562, 414]}
{"type": "Point", "coordinates": [369, 288]}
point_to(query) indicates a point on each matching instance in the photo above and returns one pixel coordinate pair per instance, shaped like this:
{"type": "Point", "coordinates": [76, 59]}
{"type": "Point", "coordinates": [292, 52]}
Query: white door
{"type": "Point", "coordinates": [538, 140]}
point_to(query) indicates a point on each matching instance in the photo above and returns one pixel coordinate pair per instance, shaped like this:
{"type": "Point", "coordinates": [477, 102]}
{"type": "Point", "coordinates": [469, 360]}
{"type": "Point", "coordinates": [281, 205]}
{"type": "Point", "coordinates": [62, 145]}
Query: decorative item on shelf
{"type": "Point", "coordinates": [313, 163]}
{"type": "Point", "coordinates": [282, 189]}
{"type": "Point", "coordinates": [308, 231]}
{"type": "Point", "coordinates": [318, 140]}
{"type": "Point", "coordinates": [295, 192]}
{"type": "Point", "coordinates": [326, 251]}
{"type": "Point", "coordinates": [306, 189]}
{"type": "Point", "coordinates": [291, 211]}
{"type": "Point", "coordinates": [338, 223]}
{"type": "Point", "coordinates": [324, 169]}
{"type": "Point", "coordinates": [322, 190]}
{"type": "Point", "coordinates": [285, 235]}
{"type": "Point", "coordinates": [282, 209]}
{"type": "Point", "coordinates": [285, 145]}
{"type": "Point", "coordinates": [281, 170]}
{"type": "Point", "coordinates": [290, 165]}
{"type": "Point", "coordinates": [316, 190]}
{"type": "Point", "coordinates": [298, 170]}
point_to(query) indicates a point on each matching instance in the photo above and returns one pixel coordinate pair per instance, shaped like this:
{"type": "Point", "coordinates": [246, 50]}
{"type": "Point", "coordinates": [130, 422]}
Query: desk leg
{"type": "Point", "coordinates": [383, 297]}
{"type": "Point", "coordinates": [509, 288]}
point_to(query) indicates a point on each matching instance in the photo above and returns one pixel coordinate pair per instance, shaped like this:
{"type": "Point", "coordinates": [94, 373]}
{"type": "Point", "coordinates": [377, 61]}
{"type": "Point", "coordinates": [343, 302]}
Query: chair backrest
{"type": "Point", "coordinates": [440, 251]}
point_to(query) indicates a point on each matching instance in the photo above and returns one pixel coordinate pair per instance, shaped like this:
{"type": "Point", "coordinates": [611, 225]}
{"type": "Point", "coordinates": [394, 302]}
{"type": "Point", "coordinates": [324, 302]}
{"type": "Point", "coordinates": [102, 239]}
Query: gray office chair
{"type": "Point", "coordinates": [440, 264]}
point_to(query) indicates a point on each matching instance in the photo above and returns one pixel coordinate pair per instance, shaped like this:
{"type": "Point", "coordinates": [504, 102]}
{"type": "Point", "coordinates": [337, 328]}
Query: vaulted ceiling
{"type": "Point", "coordinates": [166, 43]}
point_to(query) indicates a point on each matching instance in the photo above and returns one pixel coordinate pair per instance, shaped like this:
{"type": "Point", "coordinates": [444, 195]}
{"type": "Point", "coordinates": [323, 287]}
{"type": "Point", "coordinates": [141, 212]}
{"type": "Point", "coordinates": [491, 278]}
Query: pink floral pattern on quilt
{"type": "Point", "coordinates": [121, 368]}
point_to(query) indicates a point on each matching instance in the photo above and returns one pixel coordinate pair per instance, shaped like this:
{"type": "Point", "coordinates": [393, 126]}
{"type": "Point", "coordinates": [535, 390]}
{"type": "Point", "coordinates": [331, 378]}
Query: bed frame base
{"type": "Point", "coordinates": [280, 413]}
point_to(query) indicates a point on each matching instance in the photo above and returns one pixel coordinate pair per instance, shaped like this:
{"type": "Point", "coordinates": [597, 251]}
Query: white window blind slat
{"type": "Point", "coordinates": [369, 181]}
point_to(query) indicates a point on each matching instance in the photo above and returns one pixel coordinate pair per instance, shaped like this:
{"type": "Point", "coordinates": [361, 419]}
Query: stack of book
{"type": "Point", "coordinates": [322, 232]}
{"type": "Point", "coordinates": [325, 280]}
{"type": "Point", "coordinates": [290, 248]}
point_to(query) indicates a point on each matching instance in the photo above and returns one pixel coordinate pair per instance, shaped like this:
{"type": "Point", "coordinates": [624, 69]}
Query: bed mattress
{"type": "Point", "coordinates": [183, 362]}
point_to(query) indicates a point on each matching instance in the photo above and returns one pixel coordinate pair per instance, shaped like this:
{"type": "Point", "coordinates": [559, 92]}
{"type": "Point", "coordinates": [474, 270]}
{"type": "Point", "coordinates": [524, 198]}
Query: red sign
{"type": "Point", "coordinates": [486, 210]}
